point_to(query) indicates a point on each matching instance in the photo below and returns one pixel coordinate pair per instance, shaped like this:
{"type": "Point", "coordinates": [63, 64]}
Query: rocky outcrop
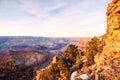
{"type": "Point", "coordinates": [110, 70]}
{"type": "Point", "coordinates": [112, 37]}
{"type": "Point", "coordinates": [108, 63]}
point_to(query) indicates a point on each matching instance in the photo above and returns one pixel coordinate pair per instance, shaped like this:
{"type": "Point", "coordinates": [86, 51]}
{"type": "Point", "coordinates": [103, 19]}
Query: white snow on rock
{"type": "Point", "coordinates": [85, 60]}
{"type": "Point", "coordinates": [83, 76]}
{"type": "Point", "coordinates": [73, 75]}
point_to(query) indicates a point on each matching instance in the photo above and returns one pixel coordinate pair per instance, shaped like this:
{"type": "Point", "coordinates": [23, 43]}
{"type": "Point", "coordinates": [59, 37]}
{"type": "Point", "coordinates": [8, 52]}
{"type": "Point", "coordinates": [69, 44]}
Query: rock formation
{"type": "Point", "coordinates": [108, 63]}
{"type": "Point", "coordinates": [112, 37]}
{"type": "Point", "coordinates": [109, 71]}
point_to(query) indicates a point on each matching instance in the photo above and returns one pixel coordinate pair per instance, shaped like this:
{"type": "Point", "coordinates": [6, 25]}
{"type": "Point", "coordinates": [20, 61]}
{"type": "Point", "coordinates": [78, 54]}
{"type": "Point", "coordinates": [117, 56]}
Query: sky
{"type": "Point", "coordinates": [53, 18]}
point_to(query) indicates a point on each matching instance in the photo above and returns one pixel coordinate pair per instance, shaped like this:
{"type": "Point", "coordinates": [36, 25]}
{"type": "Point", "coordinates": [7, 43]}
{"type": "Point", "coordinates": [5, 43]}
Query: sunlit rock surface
{"type": "Point", "coordinates": [108, 63]}
{"type": "Point", "coordinates": [112, 37]}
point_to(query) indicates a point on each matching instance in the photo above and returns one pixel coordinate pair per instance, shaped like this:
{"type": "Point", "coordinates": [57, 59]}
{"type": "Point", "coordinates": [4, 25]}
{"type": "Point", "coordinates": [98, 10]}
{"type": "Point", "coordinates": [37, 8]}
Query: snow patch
{"type": "Point", "coordinates": [83, 76]}
{"type": "Point", "coordinates": [73, 75]}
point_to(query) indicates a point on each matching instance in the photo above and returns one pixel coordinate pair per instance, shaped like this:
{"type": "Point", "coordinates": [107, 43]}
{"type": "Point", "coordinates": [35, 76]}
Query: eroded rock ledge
{"type": "Point", "coordinates": [112, 37]}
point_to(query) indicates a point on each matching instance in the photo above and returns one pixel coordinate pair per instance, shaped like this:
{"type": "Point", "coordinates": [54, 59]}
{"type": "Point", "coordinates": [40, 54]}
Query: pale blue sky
{"type": "Point", "coordinates": [53, 18]}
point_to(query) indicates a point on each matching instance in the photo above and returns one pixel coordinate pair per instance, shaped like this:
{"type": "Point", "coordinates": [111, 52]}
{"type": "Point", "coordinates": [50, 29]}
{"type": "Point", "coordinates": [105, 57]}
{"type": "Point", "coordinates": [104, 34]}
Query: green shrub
{"type": "Point", "coordinates": [10, 71]}
{"type": "Point", "coordinates": [53, 73]}
{"type": "Point", "coordinates": [68, 59]}
{"type": "Point", "coordinates": [95, 45]}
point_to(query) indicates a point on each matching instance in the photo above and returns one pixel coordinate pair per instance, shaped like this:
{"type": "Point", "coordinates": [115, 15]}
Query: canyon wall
{"type": "Point", "coordinates": [112, 37]}
{"type": "Point", "coordinates": [108, 62]}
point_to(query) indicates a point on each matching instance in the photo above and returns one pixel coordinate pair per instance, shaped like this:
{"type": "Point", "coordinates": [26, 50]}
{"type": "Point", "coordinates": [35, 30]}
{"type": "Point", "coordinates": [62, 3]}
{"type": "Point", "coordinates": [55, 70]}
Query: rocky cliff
{"type": "Point", "coordinates": [112, 37]}
{"type": "Point", "coordinates": [108, 62]}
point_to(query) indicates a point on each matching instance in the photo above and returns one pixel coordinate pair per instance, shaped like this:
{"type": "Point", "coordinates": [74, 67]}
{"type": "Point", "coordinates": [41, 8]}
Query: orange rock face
{"type": "Point", "coordinates": [108, 63]}
{"type": "Point", "coordinates": [112, 37]}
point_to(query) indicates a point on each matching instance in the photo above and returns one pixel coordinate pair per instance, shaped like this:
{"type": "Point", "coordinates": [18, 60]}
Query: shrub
{"type": "Point", "coordinates": [95, 45]}
{"type": "Point", "coordinates": [68, 59]}
{"type": "Point", "coordinates": [10, 71]}
{"type": "Point", "coordinates": [53, 73]}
